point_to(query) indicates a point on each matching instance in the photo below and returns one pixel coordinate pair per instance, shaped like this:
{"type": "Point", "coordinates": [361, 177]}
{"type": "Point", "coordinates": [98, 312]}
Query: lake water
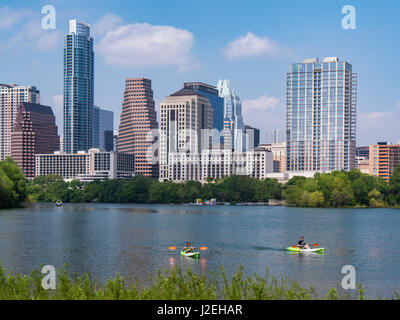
{"type": "Point", "coordinates": [133, 240]}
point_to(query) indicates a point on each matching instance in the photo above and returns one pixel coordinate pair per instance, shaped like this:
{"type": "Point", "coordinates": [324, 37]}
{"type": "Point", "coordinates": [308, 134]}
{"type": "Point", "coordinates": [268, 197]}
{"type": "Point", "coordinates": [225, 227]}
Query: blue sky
{"type": "Point", "coordinates": [251, 42]}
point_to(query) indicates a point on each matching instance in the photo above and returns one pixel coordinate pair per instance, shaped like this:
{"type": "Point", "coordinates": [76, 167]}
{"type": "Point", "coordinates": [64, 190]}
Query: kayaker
{"type": "Point", "coordinates": [188, 247]}
{"type": "Point", "coordinates": [302, 245]}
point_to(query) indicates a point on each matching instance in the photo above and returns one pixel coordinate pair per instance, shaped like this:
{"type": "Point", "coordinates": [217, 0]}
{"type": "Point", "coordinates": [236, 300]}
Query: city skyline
{"type": "Point", "coordinates": [258, 75]}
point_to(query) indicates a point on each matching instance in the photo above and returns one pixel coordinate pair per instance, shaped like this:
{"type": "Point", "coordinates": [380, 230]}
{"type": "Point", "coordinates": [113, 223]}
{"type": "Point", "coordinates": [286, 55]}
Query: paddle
{"type": "Point", "coordinates": [201, 248]}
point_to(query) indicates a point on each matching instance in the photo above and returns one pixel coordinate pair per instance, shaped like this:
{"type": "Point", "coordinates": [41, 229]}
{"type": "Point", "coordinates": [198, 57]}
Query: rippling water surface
{"type": "Point", "coordinates": [133, 240]}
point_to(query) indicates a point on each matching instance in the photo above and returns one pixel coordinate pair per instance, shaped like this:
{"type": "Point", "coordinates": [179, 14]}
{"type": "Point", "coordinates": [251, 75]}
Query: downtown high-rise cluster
{"type": "Point", "coordinates": [201, 132]}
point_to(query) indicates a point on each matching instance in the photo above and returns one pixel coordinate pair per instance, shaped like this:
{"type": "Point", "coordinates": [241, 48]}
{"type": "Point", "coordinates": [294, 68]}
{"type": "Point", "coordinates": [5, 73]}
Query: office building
{"type": "Point", "coordinates": [78, 88]}
{"type": "Point", "coordinates": [279, 154]}
{"type": "Point", "coordinates": [362, 152]}
{"type": "Point", "coordinates": [86, 166]}
{"type": "Point", "coordinates": [184, 115]}
{"type": "Point", "coordinates": [103, 129]}
{"type": "Point", "coordinates": [10, 97]}
{"type": "Point", "coordinates": [35, 131]}
{"type": "Point", "coordinates": [234, 134]}
{"type": "Point", "coordinates": [384, 158]}
{"type": "Point", "coordinates": [321, 115]}
{"type": "Point", "coordinates": [252, 138]}
{"type": "Point", "coordinates": [217, 104]}
{"type": "Point", "coordinates": [138, 120]}
{"type": "Point", "coordinates": [218, 163]}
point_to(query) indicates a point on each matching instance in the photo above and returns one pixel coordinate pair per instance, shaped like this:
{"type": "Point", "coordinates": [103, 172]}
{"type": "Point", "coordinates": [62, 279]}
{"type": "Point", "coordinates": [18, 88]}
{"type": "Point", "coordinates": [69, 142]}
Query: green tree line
{"type": "Point", "coordinates": [146, 190]}
{"type": "Point", "coordinates": [12, 184]}
{"type": "Point", "coordinates": [336, 189]}
{"type": "Point", "coordinates": [342, 189]}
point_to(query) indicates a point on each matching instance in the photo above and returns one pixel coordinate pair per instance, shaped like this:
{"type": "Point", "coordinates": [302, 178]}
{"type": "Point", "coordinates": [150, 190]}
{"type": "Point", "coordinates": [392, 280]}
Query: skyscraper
{"type": "Point", "coordinates": [35, 131]}
{"type": "Point", "coordinates": [78, 87]}
{"type": "Point", "coordinates": [217, 102]}
{"type": "Point", "coordinates": [321, 115]}
{"type": "Point", "coordinates": [10, 97]}
{"type": "Point", "coordinates": [183, 116]}
{"type": "Point", "coordinates": [138, 118]}
{"type": "Point", "coordinates": [234, 135]}
{"type": "Point", "coordinates": [252, 137]}
{"type": "Point", "coordinates": [103, 129]}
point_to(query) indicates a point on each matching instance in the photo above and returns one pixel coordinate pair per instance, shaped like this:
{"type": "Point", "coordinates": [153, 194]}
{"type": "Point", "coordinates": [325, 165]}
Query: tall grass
{"type": "Point", "coordinates": [168, 285]}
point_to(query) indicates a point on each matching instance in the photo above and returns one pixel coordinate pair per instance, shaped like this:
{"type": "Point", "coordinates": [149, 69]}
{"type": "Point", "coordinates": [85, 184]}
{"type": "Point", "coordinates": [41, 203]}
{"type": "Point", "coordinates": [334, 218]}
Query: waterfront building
{"type": "Point", "coordinates": [103, 129]}
{"type": "Point", "coordinates": [234, 134]}
{"type": "Point", "coordinates": [86, 166]}
{"type": "Point", "coordinates": [285, 176]}
{"type": "Point", "coordinates": [363, 164]}
{"type": "Point", "coordinates": [252, 137]}
{"type": "Point", "coordinates": [279, 154]}
{"type": "Point", "coordinates": [35, 131]}
{"type": "Point", "coordinates": [218, 163]}
{"type": "Point", "coordinates": [10, 97]}
{"type": "Point", "coordinates": [217, 104]}
{"type": "Point", "coordinates": [383, 159]}
{"type": "Point", "coordinates": [321, 115]}
{"type": "Point", "coordinates": [78, 88]}
{"type": "Point", "coordinates": [138, 120]}
{"type": "Point", "coordinates": [184, 115]}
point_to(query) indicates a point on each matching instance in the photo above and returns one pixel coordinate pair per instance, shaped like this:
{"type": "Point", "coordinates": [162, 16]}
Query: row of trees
{"type": "Point", "coordinates": [145, 190]}
{"type": "Point", "coordinates": [341, 189]}
{"type": "Point", "coordinates": [12, 184]}
{"type": "Point", "coordinates": [336, 189]}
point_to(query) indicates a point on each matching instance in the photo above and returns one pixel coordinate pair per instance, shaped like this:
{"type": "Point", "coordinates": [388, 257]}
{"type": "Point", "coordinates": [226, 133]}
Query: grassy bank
{"type": "Point", "coordinates": [168, 285]}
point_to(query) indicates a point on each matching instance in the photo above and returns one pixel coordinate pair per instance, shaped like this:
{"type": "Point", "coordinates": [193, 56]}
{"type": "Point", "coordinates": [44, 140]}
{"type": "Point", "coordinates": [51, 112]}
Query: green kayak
{"type": "Point", "coordinates": [297, 249]}
{"type": "Point", "coordinates": [194, 255]}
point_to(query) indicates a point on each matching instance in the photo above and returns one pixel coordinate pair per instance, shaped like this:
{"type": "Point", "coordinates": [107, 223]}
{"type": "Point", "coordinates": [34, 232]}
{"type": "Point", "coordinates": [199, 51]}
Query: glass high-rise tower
{"type": "Point", "coordinates": [78, 87]}
{"type": "Point", "coordinates": [234, 134]}
{"type": "Point", "coordinates": [103, 129]}
{"type": "Point", "coordinates": [321, 115]}
{"type": "Point", "coordinates": [217, 102]}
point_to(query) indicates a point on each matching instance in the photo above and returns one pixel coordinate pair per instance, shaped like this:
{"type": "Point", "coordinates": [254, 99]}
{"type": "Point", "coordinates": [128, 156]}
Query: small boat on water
{"type": "Point", "coordinates": [299, 250]}
{"type": "Point", "coordinates": [194, 255]}
{"type": "Point", "coordinates": [58, 203]}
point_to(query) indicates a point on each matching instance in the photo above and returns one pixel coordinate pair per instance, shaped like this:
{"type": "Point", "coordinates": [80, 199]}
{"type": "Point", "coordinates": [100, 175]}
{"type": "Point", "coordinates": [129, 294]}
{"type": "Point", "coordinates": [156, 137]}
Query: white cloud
{"type": "Point", "coordinates": [379, 126]}
{"type": "Point", "coordinates": [266, 113]}
{"type": "Point", "coordinates": [107, 22]}
{"type": "Point", "coordinates": [32, 35]}
{"type": "Point", "coordinates": [9, 17]}
{"type": "Point", "coordinates": [252, 45]}
{"type": "Point", "coordinates": [263, 103]}
{"type": "Point", "coordinates": [142, 44]}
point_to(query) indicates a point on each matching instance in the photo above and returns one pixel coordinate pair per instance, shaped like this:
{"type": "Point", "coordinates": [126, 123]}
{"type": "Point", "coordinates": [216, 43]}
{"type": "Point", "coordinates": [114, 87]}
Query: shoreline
{"type": "Point", "coordinates": [246, 204]}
